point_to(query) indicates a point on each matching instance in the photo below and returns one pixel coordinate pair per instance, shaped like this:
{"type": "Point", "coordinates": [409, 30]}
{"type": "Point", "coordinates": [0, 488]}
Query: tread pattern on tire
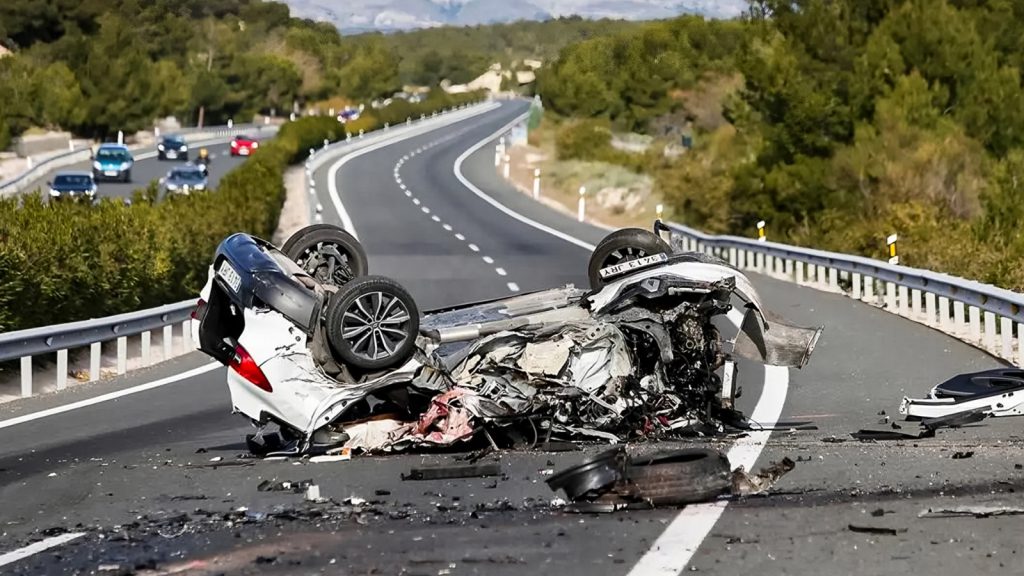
{"type": "Point", "coordinates": [310, 236]}
{"type": "Point", "coordinates": [650, 242]}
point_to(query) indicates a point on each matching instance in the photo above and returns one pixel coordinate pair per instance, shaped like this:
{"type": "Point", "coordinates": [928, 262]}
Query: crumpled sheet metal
{"type": "Point", "coordinates": [780, 344]}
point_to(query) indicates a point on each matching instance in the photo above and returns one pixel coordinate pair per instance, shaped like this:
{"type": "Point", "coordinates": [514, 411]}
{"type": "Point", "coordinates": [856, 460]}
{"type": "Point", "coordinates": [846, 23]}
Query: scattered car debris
{"type": "Point", "coordinates": [875, 435]}
{"type": "Point", "coordinates": [612, 480]}
{"type": "Point", "coordinates": [955, 420]}
{"type": "Point", "coordinates": [961, 455]}
{"type": "Point", "coordinates": [312, 493]}
{"type": "Point", "coordinates": [447, 472]}
{"type": "Point", "coordinates": [971, 511]}
{"type": "Point", "coordinates": [879, 530]}
{"type": "Point", "coordinates": [833, 440]}
{"type": "Point", "coordinates": [998, 392]}
{"type": "Point", "coordinates": [284, 486]}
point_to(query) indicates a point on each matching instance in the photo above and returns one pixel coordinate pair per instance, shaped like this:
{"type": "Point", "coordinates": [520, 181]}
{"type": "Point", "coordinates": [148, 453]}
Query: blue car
{"type": "Point", "coordinates": [113, 162]}
{"type": "Point", "coordinates": [72, 186]}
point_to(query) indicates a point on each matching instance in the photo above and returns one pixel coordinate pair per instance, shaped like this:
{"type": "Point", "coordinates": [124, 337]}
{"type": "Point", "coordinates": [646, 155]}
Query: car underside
{"type": "Point", "coordinates": [339, 360]}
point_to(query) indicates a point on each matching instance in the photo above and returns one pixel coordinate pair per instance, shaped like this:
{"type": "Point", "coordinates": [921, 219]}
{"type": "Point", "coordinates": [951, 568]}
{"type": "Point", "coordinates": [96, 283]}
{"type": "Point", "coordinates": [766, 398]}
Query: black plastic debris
{"type": "Point", "coordinates": [446, 472]}
{"type": "Point", "coordinates": [877, 435]}
{"type": "Point", "coordinates": [284, 486]}
{"type": "Point", "coordinates": [955, 420]}
{"type": "Point", "coordinates": [833, 440]}
{"type": "Point", "coordinates": [879, 530]}
{"type": "Point", "coordinates": [971, 511]}
{"type": "Point", "coordinates": [962, 455]}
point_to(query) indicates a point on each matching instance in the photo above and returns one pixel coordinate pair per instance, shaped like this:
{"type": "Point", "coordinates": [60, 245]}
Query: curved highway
{"type": "Point", "coordinates": [140, 474]}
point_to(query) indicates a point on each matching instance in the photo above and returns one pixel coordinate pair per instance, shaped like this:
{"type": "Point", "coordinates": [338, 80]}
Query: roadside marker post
{"type": "Point", "coordinates": [231, 123]}
{"type": "Point", "coordinates": [497, 156]}
{"type": "Point", "coordinates": [120, 137]}
{"type": "Point", "coordinates": [326, 142]}
{"type": "Point", "coordinates": [582, 207]}
{"type": "Point", "coordinates": [360, 132]}
{"type": "Point", "coordinates": [891, 242]}
{"type": "Point", "coordinates": [508, 166]}
{"type": "Point", "coordinates": [760, 231]}
{"type": "Point", "coordinates": [536, 183]}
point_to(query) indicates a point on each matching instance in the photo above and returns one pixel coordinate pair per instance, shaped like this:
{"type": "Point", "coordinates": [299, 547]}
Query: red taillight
{"type": "Point", "coordinates": [246, 367]}
{"type": "Point", "coordinates": [199, 306]}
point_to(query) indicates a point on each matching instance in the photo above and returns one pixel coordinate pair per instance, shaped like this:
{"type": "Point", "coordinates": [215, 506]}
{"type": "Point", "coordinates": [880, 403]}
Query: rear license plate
{"type": "Point", "coordinates": [228, 274]}
{"type": "Point", "coordinates": [630, 265]}
{"type": "Point", "coordinates": [110, 173]}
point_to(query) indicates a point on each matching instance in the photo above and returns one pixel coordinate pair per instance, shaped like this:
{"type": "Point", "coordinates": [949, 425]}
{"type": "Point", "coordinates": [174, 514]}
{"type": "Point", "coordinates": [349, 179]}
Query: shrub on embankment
{"type": "Point", "coordinates": [66, 261]}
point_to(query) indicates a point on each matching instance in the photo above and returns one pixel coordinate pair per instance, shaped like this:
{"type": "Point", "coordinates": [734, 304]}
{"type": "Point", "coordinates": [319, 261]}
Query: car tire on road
{"type": "Point", "coordinates": [317, 248]}
{"type": "Point", "coordinates": [127, 176]}
{"type": "Point", "coordinates": [372, 323]}
{"type": "Point", "coordinates": [681, 477]}
{"type": "Point", "coordinates": [621, 246]}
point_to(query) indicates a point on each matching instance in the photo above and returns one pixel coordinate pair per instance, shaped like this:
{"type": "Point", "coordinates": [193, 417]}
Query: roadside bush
{"type": "Point", "coordinates": [63, 262]}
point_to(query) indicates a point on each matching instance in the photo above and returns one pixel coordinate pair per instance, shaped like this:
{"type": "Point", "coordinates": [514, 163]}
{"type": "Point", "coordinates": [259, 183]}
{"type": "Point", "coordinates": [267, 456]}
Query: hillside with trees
{"type": "Point", "coordinates": [96, 67]}
{"type": "Point", "coordinates": [850, 120]}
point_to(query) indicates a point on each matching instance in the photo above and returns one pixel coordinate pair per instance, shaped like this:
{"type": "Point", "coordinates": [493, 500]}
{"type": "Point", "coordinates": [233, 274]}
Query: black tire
{"type": "Point", "coordinates": [327, 253]}
{"type": "Point", "coordinates": [686, 477]}
{"type": "Point", "coordinates": [621, 246]}
{"type": "Point", "coordinates": [127, 176]}
{"type": "Point", "coordinates": [372, 323]}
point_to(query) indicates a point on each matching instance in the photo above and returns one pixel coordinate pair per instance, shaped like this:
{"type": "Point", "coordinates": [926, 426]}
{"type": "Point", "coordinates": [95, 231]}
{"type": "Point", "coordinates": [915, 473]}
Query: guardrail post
{"type": "Point", "coordinates": [732, 256]}
{"type": "Point", "coordinates": [959, 324]}
{"type": "Point", "coordinates": [62, 369]}
{"type": "Point", "coordinates": [799, 272]}
{"type": "Point", "coordinates": [147, 357]}
{"type": "Point", "coordinates": [1006, 332]}
{"type": "Point", "coordinates": [26, 376]}
{"type": "Point", "coordinates": [929, 307]}
{"type": "Point", "coordinates": [855, 294]}
{"type": "Point", "coordinates": [915, 303]}
{"type": "Point", "coordinates": [869, 289]}
{"type": "Point", "coordinates": [787, 268]}
{"type": "Point", "coordinates": [186, 336]}
{"type": "Point", "coordinates": [990, 332]}
{"type": "Point", "coordinates": [95, 349]}
{"type": "Point", "coordinates": [944, 314]}
{"type": "Point", "coordinates": [1020, 343]}
{"type": "Point", "coordinates": [975, 317]}
{"type": "Point", "coordinates": [833, 279]}
{"type": "Point", "coordinates": [122, 354]}
{"type": "Point", "coordinates": [890, 297]}
{"type": "Point", "coordinates": [168, 342]}
{"type": "Point", "coordinates": [904, 301]}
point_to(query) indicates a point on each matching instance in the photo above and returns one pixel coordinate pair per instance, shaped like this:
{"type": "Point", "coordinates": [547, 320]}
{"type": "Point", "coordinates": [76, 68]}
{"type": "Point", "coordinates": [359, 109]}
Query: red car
{"type": "Point", "coordinates": [243, 146]}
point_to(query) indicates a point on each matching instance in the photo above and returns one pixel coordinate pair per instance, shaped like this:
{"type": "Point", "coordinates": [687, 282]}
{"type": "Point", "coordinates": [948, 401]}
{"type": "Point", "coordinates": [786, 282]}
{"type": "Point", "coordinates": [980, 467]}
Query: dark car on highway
{"type": "Point", "coordinates": [72, 186]}
{"type": "Point", "coordinates": [172, 147]}
{"type": "Point", "coordinates": [185, 179]}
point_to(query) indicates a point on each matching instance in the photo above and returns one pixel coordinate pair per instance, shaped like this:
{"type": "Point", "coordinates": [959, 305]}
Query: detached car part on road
{"type": "Point", "coordinates": [998, 392]}
{"type": "Point", "coordinates": [338, 359]}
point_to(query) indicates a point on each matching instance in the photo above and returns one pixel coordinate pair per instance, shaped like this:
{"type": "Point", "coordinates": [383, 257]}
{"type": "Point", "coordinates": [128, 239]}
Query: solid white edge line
{"type": "Point", "coordinates": [110, 396]}
{"type": "Point", "coordinates": [332, 171]}
{"type": "Point", "coordinates": [672, 551]}
{"type": "Point", "coordinates": [37, 547]}
{"type": "Point", "coordinates": [457, 169]}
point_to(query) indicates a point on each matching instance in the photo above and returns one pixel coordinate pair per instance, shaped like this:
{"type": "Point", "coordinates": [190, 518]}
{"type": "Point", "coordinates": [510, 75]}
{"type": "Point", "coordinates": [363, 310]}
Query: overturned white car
{"type": "Point", "coordinates": [340, 360]}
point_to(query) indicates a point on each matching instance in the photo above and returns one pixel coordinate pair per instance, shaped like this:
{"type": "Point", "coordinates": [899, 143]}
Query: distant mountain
{"type": "Point", "coordinates": [387, 15]}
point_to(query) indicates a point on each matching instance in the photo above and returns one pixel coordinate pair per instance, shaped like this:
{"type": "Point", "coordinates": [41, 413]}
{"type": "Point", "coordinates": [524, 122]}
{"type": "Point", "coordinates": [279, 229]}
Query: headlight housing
{"type": "Point", "coordinates": [184, 148]}
{"type": "Point", "coordinates": [160, 147]}
{"type": "Point", "coordinates": [172, 186]}
{"type": "Point", "coordinates": [54, 193]}
{"type": "Point", "coordinates": [125, 165]}
{"type": "Point", "coordinates": [96, 164]}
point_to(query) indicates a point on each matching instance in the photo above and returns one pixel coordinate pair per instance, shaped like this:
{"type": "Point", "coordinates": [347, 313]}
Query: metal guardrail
{"type": "Point", "coordinates": [983, 315]}
{"type": "Point", "coordinates": [60, 338]}
{"type": "Point", "coordinates": [32, 175]}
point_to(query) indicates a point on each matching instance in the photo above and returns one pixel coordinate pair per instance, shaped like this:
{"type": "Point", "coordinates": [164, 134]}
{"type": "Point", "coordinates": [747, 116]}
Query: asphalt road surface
{"type": "Point", "coordinates": [155, 482]}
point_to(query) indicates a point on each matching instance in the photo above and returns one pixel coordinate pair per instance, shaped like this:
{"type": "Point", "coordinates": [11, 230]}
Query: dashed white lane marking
{"type": "Point", "coordinates": [512, 286]}
{"type": "Point", "coordinates": [41, 546]}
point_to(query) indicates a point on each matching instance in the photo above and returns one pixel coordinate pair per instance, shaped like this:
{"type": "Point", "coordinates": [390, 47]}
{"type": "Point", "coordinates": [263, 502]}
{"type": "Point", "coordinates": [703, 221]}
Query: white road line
{"type": "Point", "coordinates": [474, 247]}
{"type": "Point", "coordinates": [400, 185]}
{"type": "Point", "coordinates": [110, 396]}
{"type": "Point", "coordinates": [672, 550]}
{"type": "Point", "coordinates": [416, 201]}
{"type": "Point", "coordinates": [460, 237]}
{"type": "Point", "coordinates": [332, 172]}
{"type": "Point", "coordinates": [41, 546]}
{"type": "Point", "coordinates": [425, 210]}
{"type": "Point", "coordinates": [488, 259]}
{"type": "Point", "coordinates": [513, 287]}
{"type": "Point", "coordinates": [408, 193]}
{"type": "Point", "coordinates": [501, 271]}
{"type": "Point", "coordinates": [472, 188]}
{"type": "Point", "coordinates": [447, 227]}
{"type": "Point", "coordinates": [435, 218]}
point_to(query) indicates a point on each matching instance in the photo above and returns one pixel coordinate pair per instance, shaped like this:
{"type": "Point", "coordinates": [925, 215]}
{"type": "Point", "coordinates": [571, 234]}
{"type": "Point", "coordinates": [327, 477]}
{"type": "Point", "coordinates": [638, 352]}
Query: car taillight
{"type": "Point", "coordinates": [246, 367]}
{"type": "Point", "coordinates": [199, 306]}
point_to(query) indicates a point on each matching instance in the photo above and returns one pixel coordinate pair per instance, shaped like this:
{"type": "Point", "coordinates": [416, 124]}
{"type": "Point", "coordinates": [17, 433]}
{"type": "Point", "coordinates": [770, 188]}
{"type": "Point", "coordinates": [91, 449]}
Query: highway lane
{"type": "Point", "coordinates": [145, 442]}
{"type": "Point", "coordinates": [149, 169]}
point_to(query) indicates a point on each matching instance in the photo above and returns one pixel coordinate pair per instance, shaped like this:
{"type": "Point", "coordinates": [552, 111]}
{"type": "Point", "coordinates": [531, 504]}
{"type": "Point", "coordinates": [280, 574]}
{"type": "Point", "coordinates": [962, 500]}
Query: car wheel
{"type": "Point", "coordinates": [679, 478]}
{"type": "Point", "coordinates": [128, 176]}
{"type": "Point", "coordinates": [372, 323]}
{"type": "Point", "coordinates": [327, 253]}
{"type": "Point", "coordinates": [621, 246]}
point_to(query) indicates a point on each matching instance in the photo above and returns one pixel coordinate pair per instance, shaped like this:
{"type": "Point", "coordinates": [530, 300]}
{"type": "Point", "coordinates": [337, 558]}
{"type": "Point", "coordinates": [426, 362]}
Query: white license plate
{"type": "Point", "coordinates": [633, 265]}
{"type": "Point", "coordinates": [110, 173]}
{"type": "Point", "coordinates": [172, 154]}
{"type": "Point", "coordinates": [227, 272]}
{"type": "Point", "coordinates": [243, 151]}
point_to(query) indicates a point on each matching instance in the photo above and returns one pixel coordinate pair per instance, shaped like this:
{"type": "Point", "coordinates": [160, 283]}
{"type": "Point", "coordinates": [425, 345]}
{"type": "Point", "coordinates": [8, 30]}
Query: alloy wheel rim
{"type": "Point", "coordinates": [372, 325]}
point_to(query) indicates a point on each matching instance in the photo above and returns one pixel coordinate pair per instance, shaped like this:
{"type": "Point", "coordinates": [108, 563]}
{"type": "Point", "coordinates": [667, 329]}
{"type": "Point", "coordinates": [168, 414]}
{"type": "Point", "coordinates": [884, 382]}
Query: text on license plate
{"type": "Point", "coordinates": [633, 265]}
{"type": "Point", "coordinates": [110, 173]}
{"type": "Point", "coordinates": [229, 275]}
